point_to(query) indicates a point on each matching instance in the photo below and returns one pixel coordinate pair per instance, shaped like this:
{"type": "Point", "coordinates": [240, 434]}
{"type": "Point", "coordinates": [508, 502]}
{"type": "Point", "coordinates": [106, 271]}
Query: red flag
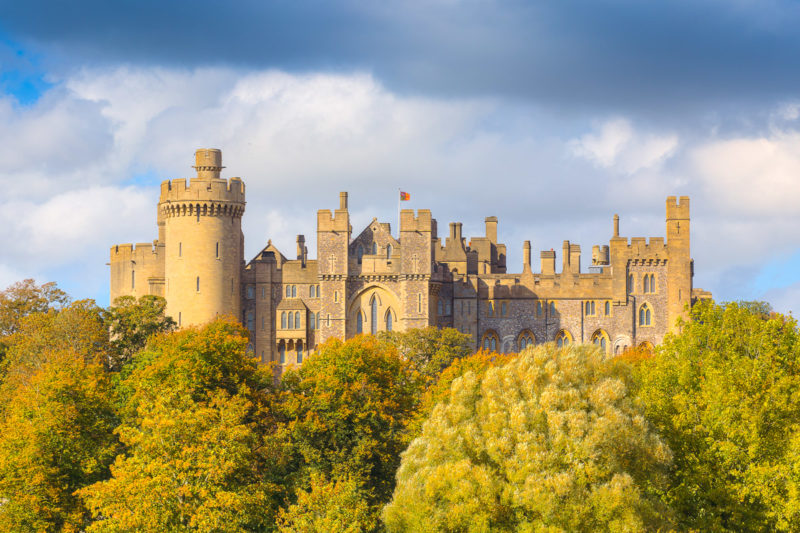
{"type": "Point", "coordinates": [404, 196]}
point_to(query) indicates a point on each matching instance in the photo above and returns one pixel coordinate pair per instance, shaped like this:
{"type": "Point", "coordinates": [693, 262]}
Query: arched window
{"type": "Point", "coordinates": [373, 325]}
{"type": "Point", "coordinates": [389, 319]}
{"type": "Point", "coordinates": [646, 347]}
{"type": "Point", "coordinates": [359, 323]}
{"type": "Point", "coordinates": [526, 339]}
{"type": "Point", "coordinates": [490, 341]}
{"type": "Point", "coordinates": [359, 253]}
{"type": "Point", "coordinates": [389, 252]}
{"type": "Point", "coordinates": [552, 308]}
{"type": "Point", "coordinates": [297, 319]}
{"type": "Point", "coordinates": [251, 321]}
{"type": "Point", "coordinates": [600, 338]}
{"type": "Point", "coordinates": [607, 308]}
{"type": "Point", "coordinates": [311, 291]}
{"type": "Point", "coordinates": [448, 310]}
{"type": "Point", "coordinates": [539, 308]}
{"type": "Point", "coordinates": [290, 324]}
{"type": "Point", "coordinates": [440, 308]}
{"type": "Point", "coordinates": [644, 315]}
{"type": "Point", "coordinates": [503, 309]}
{"type": "Point", "coordinates": [282, 351]}
{"type": "Point", "coordinates": [563, 339]}
{"type": "Point", "coordinates": [294, 291]}
{"type": "Point", "coordinates": [646, 283]}
{"type": "Point", "coordinates": [288, 291]}
{"type": "Point", "coordinates": [652, 283]}
{"type": "Point", "coordinates": [299, 352]}
{"type": "Point", "coordinates": [312, 321]}
{"type": "Point", "coordinates": [374, 248]}
{"type": "Point", "coordinates": [490, 310]}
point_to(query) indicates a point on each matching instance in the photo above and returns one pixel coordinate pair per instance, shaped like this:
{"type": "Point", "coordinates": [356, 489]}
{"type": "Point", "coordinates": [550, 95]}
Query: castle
{"type": "Point", "coordinates": [633, 293]}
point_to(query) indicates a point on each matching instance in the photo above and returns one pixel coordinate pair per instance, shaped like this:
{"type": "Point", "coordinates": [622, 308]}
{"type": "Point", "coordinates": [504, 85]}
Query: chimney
{"type": "Point", "coordinates": [565, 257]}
{"type": "Point", "coordinates": [616, 225]}
{"type": "Point", "coordinates": [458, 232]}
{"type": "Point", "coordinates": [491, 229]}
{"type": "Point", "coordinates": [301, 246]}
{"type": "Point", "coordinates": [548, 259]}
{"type": "Point", "coordinates": [526, 256]}
{"type": "Point", "coordinates": [343, 201]}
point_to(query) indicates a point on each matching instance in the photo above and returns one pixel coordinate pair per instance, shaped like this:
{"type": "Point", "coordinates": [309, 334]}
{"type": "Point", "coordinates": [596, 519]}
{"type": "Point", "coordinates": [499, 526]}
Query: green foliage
{"type": "Point", "coordinates": [430, 350]}
{"type": "Point", "coordinates": [25, 298]}
{"type": "Point", "coordinates": [56, 436]}
{"type": "Point", "coordinates": [346, 412]}
{"type": "Point", "coordinates": [551, 441]}
{"type": "Point", "coordinates": [724, 393]}
{"type": "Point", "coordinates": [194, 425]}
{"type": "Point", "coordinates": [338, 506]}
{"type": "Point", "coordinates": [132, 323]}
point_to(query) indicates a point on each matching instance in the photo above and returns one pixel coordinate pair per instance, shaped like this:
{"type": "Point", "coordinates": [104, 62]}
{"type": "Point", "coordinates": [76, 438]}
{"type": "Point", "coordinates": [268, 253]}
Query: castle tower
{"type": "Point", "coordinates": [202, 228]}
{"type": "Point", "coordinates": [333, 260]}
{"type": "Point", "coordinates": [679, 266]}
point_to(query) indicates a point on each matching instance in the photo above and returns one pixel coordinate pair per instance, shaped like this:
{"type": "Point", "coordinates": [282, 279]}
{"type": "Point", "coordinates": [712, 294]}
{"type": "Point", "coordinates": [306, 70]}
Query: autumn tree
{"type": "Point", "coordinates": [430, 350]}
{"type": "Point", "coordinates": [346, 412]}
{"type": "Point", "coordinates": [56, 419]}
{"type": "Point", "coordinates": [550, 441]}
{"type": "Point", "coordinates": [132, 322]}
{"type": "Point", "coordinates": [24, 298]}
{"type": "Point", "coordinates": [194, 424]}
{"type": "Point", "coordinates": [723, 393]}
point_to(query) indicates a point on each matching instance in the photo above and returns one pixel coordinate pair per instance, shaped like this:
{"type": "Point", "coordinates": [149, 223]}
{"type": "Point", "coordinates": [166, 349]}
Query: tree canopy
{"type": "Point", "coordinates": [550, 441]}
{"type": "Point", "coordinates": [724, 393]}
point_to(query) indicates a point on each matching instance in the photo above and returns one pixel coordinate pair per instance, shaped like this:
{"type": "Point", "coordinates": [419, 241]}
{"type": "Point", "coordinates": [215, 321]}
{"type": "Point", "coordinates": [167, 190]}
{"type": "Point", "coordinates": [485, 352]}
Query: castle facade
{"type": "Point", "coordinates": [633, 293]}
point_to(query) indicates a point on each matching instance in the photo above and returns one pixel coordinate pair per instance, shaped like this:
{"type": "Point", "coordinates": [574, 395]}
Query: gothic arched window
{"type": "Point", "coordinates": [373, 326]}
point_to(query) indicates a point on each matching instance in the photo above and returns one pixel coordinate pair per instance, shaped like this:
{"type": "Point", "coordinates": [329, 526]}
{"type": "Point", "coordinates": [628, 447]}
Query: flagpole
{"type": "Point", "coordinates": [398, 214]}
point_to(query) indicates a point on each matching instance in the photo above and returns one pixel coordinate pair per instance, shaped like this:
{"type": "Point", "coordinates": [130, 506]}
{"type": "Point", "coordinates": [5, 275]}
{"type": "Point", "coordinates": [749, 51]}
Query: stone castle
{"type": "Point", "coordinates": [633, 292]}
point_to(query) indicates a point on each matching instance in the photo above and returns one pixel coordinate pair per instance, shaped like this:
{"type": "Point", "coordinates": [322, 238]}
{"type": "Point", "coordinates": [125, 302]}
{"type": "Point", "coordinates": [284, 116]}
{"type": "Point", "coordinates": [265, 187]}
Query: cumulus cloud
{"type": "Point", "coordinates": [111, 135]}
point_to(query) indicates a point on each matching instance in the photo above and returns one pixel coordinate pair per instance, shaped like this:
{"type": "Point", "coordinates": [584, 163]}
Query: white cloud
{"type": "Point", "coordinates": [618, 146]}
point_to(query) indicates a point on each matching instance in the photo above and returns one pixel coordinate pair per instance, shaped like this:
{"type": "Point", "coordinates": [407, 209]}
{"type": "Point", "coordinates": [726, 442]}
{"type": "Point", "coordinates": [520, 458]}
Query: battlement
{"type": "Point", "coordinates": [422, 222]}
{"type": "Point", "coordinates": [677, 209]}
{"type": "Point", "coordinates": [199, 189]}
{"type": "Point", "coordinates": [338, 221]}
{"type": "Point", "coordinates": [132, 252]}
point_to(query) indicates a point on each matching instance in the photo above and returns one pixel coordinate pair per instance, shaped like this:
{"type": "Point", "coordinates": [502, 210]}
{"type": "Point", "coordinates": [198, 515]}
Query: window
{"type": "Point", "coordinates": [198, 283]}
{"type": "Point", "coordinates": [180, 249]}
{"type": "Point", "coordinates": [251, 292]}
{"type": "Point", "coordinates": [312, 322]}
{"type": "Point", "coordinates": [630, 283]}
{"type": "Point", "coordinates": [262, 322]}
{"type": "Point", "coordinates": [649, 282]}
{"type": "Point", "coordinates": [607, 308]}
{"type": "Point", "coordinates": [283, 320]}
{"type": "Point", "coordinates": [552, 308]}
{"type": "Point", "coordinates": [217, 251]}
{"type": "Point", "coordinates": [600, 338]}
{"type": "Point", "coordinates": [359, 253]}
{"type": "Point", "coordinates": [251, 321]}
{"type": "Point", "coordinates": [297, 320]}
{"type": "Point", "coordinates": [652, 283]}
{"type": "Point", "coordinates": [328, 321]}
{"type": "Point", "coordinates": [539, 308]}
{"type": "Point", "coordinates": [447, 309]}
{"type": "Point", "coordinates": [299, 353]}
{"type": "Point", "coordinates": [288, 291]}
{"type": "Point", "coordinates": [644, 315]}
{"type": "Point", "coordinates": [374, 248]}
{"type": "Point", "coordinates": [490, 341]}
{"type": "Point", "coordinates": [646, 283]}
{"type": "Point", "coordinates": [388, 320]}
{"type": "Point", "coordinates": [503, 309]}
{"type": "Point", "coordinates": [179, 318]}
{"type": "Point", "coordinates": [263, 292]}
{"type": "Point", "coordinates": [490, 309]}
{"type": "Point", "coordinates": [419, 303]}
{"type": "Point", "coordinates": [283, 353]}
{"type": "Point", "coordinates": [389, 252]}
{"type": "Point", "coordinates": [133, 279]}
{"type": "Point", "coordinates": [526, 339]}
{"type": "Point", "coordinates": [198, 215]}
{"type": "Point", "coordinates": [373, 325]}
{"type": "Point", "coordinates": [336, 296]}
{"type": "Point", "coordinates": [294, 291]}
{"type": "Point", "coordinates": [589, 308]}
{"type": "Point", "coordinates": [359, 323]}
{"type": "Point", "coordinates": [312, 291]}
{"type": "Point", "coordinates": [290, 325]}
{"type": "Point", "coordinates": [563, 339]}
{"type": "Point", "coordinates": [440, 308]}
{"type": "Point", "coordinates": [318, 322]}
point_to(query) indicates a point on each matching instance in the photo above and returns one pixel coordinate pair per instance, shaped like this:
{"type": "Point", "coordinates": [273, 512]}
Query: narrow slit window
{"type": "Point", "coordinates": [198, 283]}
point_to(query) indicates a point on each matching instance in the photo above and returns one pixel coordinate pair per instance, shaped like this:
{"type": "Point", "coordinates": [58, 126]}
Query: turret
{"type": "Point", "coordinates": [204, 244]}
{"type": "Point", "coordinates": [679, 265]}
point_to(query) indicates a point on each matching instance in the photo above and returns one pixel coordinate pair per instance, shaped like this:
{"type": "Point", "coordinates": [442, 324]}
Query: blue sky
{"type": "Point", "coordinates": [571, 110]}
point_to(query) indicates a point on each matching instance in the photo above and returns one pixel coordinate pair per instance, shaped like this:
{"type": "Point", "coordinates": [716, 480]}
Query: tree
{"type": "Point", "coordinates": [346, 413]}
{"type": "Point", "coordinates": [56, 436]}
{"type": "Point", "coordinates": [550, 441]}
{"type": "Point", "coordinates": [133, 322]}
{"type": "Point", "coordinates": [24, 298]}
{"type": "Point", "coordinates": [724, 395]}
{"type": "Point", "coordinates": [430, 349]}
{"type": "Point", "coordinates": [195, 425]}
{"type": "Point", "coordinates": [337, 505]}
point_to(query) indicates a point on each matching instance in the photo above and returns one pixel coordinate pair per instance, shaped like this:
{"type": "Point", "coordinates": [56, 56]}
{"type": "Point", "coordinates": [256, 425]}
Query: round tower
{"type": "Point", "coordinates": [202, 224]}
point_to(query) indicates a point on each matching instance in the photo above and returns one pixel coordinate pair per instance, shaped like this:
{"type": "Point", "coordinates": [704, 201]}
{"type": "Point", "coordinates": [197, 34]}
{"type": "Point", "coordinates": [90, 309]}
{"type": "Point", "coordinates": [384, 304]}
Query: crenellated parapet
{"type": "Point", "coordinates": [206, 197]}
